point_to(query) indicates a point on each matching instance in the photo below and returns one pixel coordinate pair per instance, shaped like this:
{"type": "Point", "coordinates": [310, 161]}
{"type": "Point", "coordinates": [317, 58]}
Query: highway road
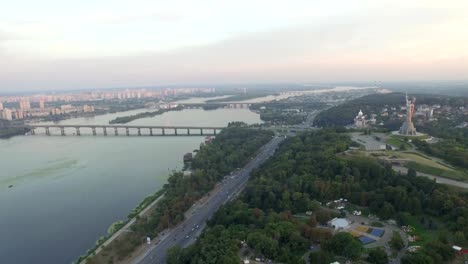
{"type": "Point", "coordinates": [186, 232]}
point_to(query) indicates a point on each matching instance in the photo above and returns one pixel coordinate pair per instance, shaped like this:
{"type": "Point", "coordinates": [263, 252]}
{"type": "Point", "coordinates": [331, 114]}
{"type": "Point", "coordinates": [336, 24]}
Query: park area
{"type": "Point", "coordinates": [366, 234]}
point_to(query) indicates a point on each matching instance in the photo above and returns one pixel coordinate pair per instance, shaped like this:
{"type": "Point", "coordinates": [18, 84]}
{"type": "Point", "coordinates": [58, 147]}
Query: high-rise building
{"type": "Point", "coordinates": [41, 104]}
{"type": "Point", "coordinates": [18, 114]}
{"type": "Point", "coordinates": [1, 106]}
{"type": "Point", "coordinates": [6, 114]}
{"type": "Point", "coordinates": [24, 104]}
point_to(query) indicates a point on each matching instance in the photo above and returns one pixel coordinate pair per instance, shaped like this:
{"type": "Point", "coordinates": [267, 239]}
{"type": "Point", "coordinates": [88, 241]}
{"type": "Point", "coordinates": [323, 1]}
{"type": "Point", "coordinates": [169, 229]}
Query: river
{"type": "Point", "coordinates": [66, 191]}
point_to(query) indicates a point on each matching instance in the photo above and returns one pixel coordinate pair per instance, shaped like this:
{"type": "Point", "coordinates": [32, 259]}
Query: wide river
{"type": "Point", "coordinates": [66, 191]}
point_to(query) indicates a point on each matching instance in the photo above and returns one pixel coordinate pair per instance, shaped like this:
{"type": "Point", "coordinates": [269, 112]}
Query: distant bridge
{"type": "Point", "coordinates": [126, 130]}
{"type": "Point", "coordinates": [233, 105]}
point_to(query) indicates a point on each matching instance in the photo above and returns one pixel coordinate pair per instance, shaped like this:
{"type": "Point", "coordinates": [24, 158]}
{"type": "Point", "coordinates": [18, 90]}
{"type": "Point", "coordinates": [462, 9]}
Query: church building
{"type": "Point", "coordinates": [360, 120]}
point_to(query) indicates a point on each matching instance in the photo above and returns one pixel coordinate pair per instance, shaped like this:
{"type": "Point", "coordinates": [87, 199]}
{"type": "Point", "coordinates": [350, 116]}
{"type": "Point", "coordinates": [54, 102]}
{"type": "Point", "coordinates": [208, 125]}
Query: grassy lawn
{"type": "Point", "coordinates": [425, 235]}
{"type": "Point", "coordinates": [411, 137]}
{"type": "Point", "coordinates": [421, 160]}
{"type": "Point", "coordinates": [436, 160]}
{"type": "Point", "coordinates": [424, 164]}
{"type": "Point", "coordinates": [397, 142]}
{"type": "Point", "coordinates": [417, 162]}
{"type": "Point", "coordinates": [303, 218]}
{"type": "Point", "coordinates": [451, 174]}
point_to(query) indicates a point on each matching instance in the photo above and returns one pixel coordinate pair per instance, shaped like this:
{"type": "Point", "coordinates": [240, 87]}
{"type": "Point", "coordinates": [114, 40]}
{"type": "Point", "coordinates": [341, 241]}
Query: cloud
{"type": "Point", "coordinates": [122, 19]}
{"type": "Point", "coordinates": [385, 44]}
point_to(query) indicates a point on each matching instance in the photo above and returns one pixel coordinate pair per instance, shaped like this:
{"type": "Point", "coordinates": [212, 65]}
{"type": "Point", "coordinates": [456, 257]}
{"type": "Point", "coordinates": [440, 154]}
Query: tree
{"type": "Point", "coordinates": [321, 257]}
{"type": "Point", "coordinates": [377, 256]}
{"type": "Point", "coordinates": [323, 216]}
{"type": "Point", "coordinates": [387, 211]}
{"type": "Point", "coordinates": [402, 146]}
{"type": "Point", "coordinates": [344, 244]}
{"type": "Point", "coordinates": [459, 237]}
{"type": "Point", "coordinates": [312, 221]}
{"type": "Point", "coordinates": [411, 173]}
{"type": "Point", "coordinates": [397, 242]}
{"type": "Point", "coordinates": [173, 254]}
{"type": "Point", "coordinates": [353, 250]}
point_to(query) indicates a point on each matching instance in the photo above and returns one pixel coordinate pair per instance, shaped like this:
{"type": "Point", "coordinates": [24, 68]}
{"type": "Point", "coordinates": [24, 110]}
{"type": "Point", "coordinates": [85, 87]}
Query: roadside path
{"type": "Point", "coordinates": [126, 226]}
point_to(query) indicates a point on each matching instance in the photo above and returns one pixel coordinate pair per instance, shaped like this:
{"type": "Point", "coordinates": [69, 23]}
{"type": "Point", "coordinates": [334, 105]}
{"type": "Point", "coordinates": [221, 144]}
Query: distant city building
{"type": "Point", "coordinates": [88, 108]}
{"type": "Point", "coordinates": [41, 104]}
{"type": "Point", "coordinates": [1, 106]}
{"type": "Point", "coordinates": [360, 120]}
{"type": "Point", "coordinates": [56, 111]}
{"type": "Point", "coordinates": [18, 114]}
{"type": "Point", "coordinates": [24, 105]}
{"type": "Point", "coordinates": [408, 128]}
{"type": "Point", "coordinates": [6, 114]}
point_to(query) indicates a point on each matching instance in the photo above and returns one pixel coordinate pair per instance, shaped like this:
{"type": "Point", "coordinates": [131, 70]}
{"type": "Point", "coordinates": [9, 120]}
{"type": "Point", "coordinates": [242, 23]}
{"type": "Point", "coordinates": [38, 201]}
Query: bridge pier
{"type": "Point", "coordinates": [47, 131]}
{"type": "Point", "coordinates": [116, 131]}
{"type": "Point", "coordinates": [188, 131]}
{"type": "Point", "coordinates": [139, 131]}
{"type": "Point", "coordinates": [62, 131]}
{"type": "Point", "coordinates": [127, 131]}
{"type": "Point", "coordinates": [104, 130]}
{"type": "Point", "coordinates": [214, 131]}
{"type": "Point", "coordinates": [94, 131]}
{"type": "Point", "coordinates": [33, 132]}
{"type": "Point", "coordinates": [163, 132]}
{"type": "Point", "coordinates": [151, 132]}
{"type": "Point", "coordinates": [175, 131]}
{"type": "Point", "coordinates": [78, 133]}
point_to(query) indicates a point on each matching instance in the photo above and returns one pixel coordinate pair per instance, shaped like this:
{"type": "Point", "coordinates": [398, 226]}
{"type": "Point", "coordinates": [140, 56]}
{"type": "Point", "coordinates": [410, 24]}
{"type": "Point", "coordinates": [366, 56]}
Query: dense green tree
{"type": "Point", "coordinates": [311, 167]}
{"type": "Point", "coordinates": [396, 242]}
{"type": "Point", "coordinates": [321, 257]}
{"type": "Point", "coordinates": [173, 254]}
{"type": "Point", "coordinates": [344, 244]}
{"type": "Point", "coordinates": [377, 256]}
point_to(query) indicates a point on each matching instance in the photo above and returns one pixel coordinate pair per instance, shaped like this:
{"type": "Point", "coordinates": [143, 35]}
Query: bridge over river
{"type": "Point", "coordinates": [127, 130]}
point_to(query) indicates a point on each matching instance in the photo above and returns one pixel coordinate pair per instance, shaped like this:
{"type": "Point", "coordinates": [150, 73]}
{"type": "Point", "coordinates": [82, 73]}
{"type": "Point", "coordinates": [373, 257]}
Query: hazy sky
{"type": "Point", "coordinates": [56, 44]}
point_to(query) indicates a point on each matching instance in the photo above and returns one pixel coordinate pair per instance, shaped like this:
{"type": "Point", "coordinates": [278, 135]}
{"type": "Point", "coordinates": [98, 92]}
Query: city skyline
{"type": "Point", "coordinates": [101, 44]}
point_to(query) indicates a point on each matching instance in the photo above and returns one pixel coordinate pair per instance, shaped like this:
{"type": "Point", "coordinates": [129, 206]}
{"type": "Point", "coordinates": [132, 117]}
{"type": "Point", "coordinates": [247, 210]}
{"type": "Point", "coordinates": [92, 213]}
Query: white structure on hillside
{"type": "Point", "coordinates": [338, 223]}
{"type": "Point", "coordinates": [360, 120]}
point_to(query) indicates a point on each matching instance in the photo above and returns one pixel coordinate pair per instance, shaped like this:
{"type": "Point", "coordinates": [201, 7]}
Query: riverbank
{"type": "Point", "coordinates": [9, 132]}
{"type": "Point", "coordinates": [141, 210]}
{"type": "Point", "coordinates": [233, 146]}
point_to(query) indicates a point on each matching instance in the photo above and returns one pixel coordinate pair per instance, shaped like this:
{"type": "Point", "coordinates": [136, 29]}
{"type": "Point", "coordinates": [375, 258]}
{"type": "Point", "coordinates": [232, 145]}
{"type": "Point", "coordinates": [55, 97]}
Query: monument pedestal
{"type": "Point", "coordinates": [408, 129]}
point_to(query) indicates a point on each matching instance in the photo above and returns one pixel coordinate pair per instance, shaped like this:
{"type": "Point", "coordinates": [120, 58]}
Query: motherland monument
{"type": "Point", "coordinates": [408, 129]}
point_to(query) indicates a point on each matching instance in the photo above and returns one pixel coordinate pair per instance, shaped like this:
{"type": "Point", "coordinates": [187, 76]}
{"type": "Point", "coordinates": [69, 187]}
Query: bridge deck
{"type": "Point", "coordinates": [119, 126]}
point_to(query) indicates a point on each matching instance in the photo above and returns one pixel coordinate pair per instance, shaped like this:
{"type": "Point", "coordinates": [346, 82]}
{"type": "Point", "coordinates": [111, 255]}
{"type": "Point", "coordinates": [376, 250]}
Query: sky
{"type": "Point", "coordinates": [56, 44]}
